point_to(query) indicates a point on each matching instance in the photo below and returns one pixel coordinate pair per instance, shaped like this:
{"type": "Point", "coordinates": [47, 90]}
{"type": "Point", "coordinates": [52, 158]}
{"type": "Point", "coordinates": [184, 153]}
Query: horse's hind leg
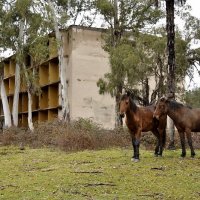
{"type": "Point", "coordinates": [182, 138]}
{"type": "Point", "coordinates": [157, 149]}
{"type": "Point", "coordinates": [156, 153]}
{"type": "Point", "coordinates": [134, 147]}
{"type": "Point", "coordinates": [189, 138]}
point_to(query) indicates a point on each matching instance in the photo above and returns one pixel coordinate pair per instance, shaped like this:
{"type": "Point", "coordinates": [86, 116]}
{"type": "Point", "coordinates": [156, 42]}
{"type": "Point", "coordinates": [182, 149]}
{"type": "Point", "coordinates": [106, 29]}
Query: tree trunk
{"type": "Point", "coordinates": [28, 84]}
{"type": "Point", "coordinates": [118, 119]}
{"type": "Point", "coordinates": [145, 91]}
{"type": "Point", "coordinates": [30, 122]}
{"type": "Point", "coordinates": [62, 69]}
{"type": "Point", "coordinates": [16, 95]}
{"type": "Point", "coordinates": [116, 38]}
{"type": "Point", "coordinates": [171, 59]}
{"type": "Point", "coordinates": [17, 74]}
{"type": "Point", "coordinates": [117, 34]}
{"type": "Point", "coordinates": [6, 109]}
{"type": "Point", "coordinates": [170, 46]}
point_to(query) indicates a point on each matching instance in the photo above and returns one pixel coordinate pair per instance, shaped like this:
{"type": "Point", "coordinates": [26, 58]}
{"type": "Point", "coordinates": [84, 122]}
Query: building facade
{"type": "Point", "coordinates": [85, 62]}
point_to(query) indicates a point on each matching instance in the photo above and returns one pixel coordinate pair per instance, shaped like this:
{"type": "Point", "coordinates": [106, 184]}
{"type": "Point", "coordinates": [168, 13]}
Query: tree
{"type": "Point", "coordinates": [72, 10]}
{"type": "Point", "coordinates": [171, 65]}
{"type": "Point", "coordinates": [21, 27]}
{"type": "Point", "coordinates": [6, 110]}
{"type": "Point", "coordinates": [125, 20]}
{"type": "Point", "coordinates": [62, 68]}
{"type": "Point", "coordinates": [192, 98]}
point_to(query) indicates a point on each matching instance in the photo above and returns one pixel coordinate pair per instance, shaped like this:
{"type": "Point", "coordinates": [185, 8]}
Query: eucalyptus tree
{"type": "Point", "coordinates": [191, 34]}
{"type": "Point", "coordinates": [62, 14]}
{"type": "Point", "coordinates": [125, 20]}
{"type": "Point", "coordinates": [170, 30]}
{"type": "Point", "coordinates": [53, 15]}
{"type": "Point", "coordinates": [192, 98]}
{"type": "Point", "coordinates": [191, 55]}
{"type": "Point", "coordinates": [6, 110]}
{"type": "Point", "coordinates": [4, 100]}
{"type": "Point", "coordinates": [21, 26]}
{"type": "Point", "coordinates": [171, 65]}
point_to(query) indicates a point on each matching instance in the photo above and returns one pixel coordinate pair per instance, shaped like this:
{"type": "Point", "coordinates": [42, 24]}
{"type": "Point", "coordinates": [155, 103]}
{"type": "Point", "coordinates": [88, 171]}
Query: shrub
{"type": "Point", "coordinates": [76, 135]}
{"type": "Point", "coordinates": [79, 135]}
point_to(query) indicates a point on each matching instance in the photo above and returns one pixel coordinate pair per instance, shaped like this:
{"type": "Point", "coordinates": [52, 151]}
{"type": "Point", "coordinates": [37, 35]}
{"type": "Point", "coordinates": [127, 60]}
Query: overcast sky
{"type": "Point", "coordinates": [195, 10]}
{"type": "Point", "coordinates": [195, 4]}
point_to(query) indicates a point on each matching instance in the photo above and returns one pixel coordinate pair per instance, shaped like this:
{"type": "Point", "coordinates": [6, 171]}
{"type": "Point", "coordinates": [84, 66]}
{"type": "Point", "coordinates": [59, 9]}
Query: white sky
{"type": "Point", "coordinates": [195, 10]}
{"type": "Point", "coordinates": [195, 5]}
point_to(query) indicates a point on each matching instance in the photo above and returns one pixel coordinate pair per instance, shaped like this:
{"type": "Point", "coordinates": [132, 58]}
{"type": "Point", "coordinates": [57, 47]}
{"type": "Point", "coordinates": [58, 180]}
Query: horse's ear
{"type": "Point", "coordinates": [128, 93]}
{"type": "Point", "coordinates": [170, 96]}
{"type": "Point", "coordinates": [163, 99]}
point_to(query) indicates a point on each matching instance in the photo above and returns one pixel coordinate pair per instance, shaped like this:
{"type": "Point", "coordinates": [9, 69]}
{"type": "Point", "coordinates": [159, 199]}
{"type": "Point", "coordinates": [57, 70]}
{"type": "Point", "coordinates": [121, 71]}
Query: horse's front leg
{"type": "Point", "coordinates": [155, 132]}
{"type": "Point", "coordinates": [189, 138]}
{"type": "Point", "coordinates": [157, 149]}
{"type": "Point", "coordinates": [182, 138]}
{"type": "Point", "coordinates": [136, 145]}
{"type": "Point", "coordinates": [162, 139]}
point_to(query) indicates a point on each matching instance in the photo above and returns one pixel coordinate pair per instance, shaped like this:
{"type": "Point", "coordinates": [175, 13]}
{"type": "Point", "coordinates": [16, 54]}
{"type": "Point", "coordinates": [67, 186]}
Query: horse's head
{"type": "Point", "coordinates": [124, 104]}
{"type": "Point", "coordinates": [161, 108]}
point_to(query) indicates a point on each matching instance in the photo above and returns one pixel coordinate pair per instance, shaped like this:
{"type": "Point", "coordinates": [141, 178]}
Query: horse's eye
{"type": "Point", "coordinates": [162, 107]}
{"type": "Point", "coordinates": [126, 103]}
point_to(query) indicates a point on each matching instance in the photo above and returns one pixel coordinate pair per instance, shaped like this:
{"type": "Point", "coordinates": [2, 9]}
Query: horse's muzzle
{"type": "Point", "coordinates": [121, 115]}
{"type": "Point", "coordinates": [156, 117]}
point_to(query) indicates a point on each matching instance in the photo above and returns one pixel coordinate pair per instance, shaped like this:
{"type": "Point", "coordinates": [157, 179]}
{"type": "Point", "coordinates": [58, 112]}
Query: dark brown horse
{"type": "Point", "coordinates": [186, 120]}
{"type": "Point", "coordinates": [140, 119]}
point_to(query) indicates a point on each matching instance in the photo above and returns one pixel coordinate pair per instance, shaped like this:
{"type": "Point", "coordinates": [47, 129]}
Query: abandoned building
{"type": "Point", "coordinates": [86, 62]}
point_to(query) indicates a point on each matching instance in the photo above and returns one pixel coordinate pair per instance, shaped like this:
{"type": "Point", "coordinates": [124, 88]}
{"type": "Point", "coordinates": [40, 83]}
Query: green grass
{"type": "Point", "coordinates": [106, 174]}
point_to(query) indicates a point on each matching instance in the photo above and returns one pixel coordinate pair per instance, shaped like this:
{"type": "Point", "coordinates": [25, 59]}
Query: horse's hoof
{"type": "Point", "coordinates": [135, 159]}
{"type": "Point", "coordinates": [183, 155]}
{"type": "Point", "coordinates": [157, 155]}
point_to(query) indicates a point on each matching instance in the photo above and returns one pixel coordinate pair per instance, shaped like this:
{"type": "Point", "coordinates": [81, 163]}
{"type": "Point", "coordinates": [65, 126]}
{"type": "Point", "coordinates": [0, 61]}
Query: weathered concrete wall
{"type": "Point", "coordinates": [89, 62]}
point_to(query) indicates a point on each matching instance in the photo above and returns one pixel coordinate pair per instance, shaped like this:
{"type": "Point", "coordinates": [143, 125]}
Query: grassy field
{"type": "Point", "coordinates": [104, 174]}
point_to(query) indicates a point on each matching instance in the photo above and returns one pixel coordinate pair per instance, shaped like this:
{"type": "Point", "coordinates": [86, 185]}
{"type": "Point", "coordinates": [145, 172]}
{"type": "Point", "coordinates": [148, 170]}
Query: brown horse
{"type": "Point", "coordinates": [140, 119]}
{"type": "Point", "coordinates": [185, 119]}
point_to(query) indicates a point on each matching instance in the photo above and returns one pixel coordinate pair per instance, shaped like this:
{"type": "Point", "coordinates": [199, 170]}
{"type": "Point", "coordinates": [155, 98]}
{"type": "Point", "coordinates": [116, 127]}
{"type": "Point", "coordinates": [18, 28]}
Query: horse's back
{"type": "Point", "coordinates": [189, 118]}
{"type": "Point", "coordinates": [148, 122]}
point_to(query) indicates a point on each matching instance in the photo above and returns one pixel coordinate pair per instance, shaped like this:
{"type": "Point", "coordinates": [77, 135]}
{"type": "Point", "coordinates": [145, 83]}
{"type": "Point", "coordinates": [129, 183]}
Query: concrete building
{"type": "Point", "coordinates": [85, 62]}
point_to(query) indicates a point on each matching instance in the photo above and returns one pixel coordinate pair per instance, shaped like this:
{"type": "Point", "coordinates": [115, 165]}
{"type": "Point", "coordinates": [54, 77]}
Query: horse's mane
{"type": "Point", "coordinates": [133, 106]}
{"type": "Point", "coordinates": [176, 105]}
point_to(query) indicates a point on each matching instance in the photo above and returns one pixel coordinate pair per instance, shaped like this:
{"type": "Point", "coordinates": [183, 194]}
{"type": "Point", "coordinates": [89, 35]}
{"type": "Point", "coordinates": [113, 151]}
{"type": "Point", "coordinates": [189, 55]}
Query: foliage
{"type": "Point", "coordinates": [132, 62]}
{"type": "Point", "coordinates": [106, 174]}
{"type": "Point", "coordinates": [129, 57]}
{"type": "Point", "coordinates": [80, 12]}
{"type": "Point", "coordinates": [192, 97]}
{"type": "Point", "coordinates": [149, 49]}
{"type": "Point", "coordinates": [24, 16]}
